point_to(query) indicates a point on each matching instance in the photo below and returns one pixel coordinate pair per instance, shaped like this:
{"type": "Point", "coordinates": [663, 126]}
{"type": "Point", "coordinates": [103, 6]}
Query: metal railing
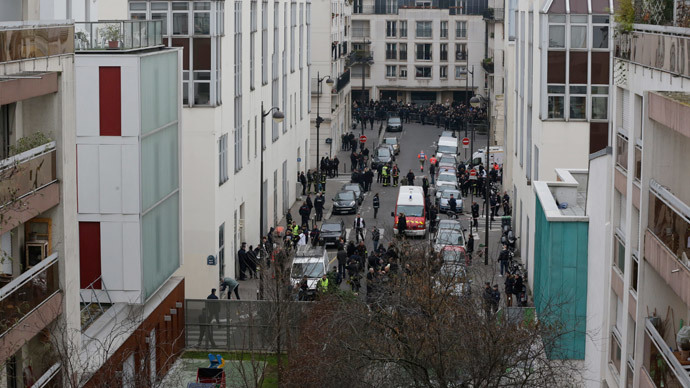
{"type": "Point", "coordinates": [27, 172]}
{"type": "Point", "coordinates": [28, 291]}
{"type": "Point", "coordinates": [343, 80]}
{"type": "Point", "coordinates": [117, 35]}
{"type": "Point", "coordinates": [666, 356]}
{"type": "Point", "coordinates": [31, 41]}
{"type": "Point", "coordinates": [94, 308]}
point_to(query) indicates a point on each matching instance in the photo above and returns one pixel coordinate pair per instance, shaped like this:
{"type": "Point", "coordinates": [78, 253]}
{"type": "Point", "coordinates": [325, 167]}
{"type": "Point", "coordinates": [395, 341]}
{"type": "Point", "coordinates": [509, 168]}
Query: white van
{"type": "Point", "coordinates": [311, 262]}
{"type": "Point", "coordinates": [495, 156]}
{"type": "Point", "coordinates": [411, 204]}
{"type": "Point", "coordinates": [446, 145]}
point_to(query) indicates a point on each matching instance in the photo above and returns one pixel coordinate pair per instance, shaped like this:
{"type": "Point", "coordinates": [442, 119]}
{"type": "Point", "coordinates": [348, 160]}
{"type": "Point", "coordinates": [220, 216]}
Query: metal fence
{"type": "Point", "coordinates": [242, 325]}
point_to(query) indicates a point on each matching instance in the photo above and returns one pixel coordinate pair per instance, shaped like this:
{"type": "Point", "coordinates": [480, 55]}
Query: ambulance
{"type": "Point", "coordinates": [411, 203]}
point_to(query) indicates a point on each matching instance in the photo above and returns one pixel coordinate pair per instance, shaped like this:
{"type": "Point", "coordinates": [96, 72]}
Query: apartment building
{"type": "Point", "coordinates": [492, 63]}
{"type": "Point", "coordinates": [649, 273]}
{"type": "Point", "coordinates": [238, 58]}
{"type": "Point", "coordinates": [38, 218]}
{"type": "Point", "coordinates": [330, 83]}
{"type": "Point", "coordinates": [418, 51]}
{"type": "Point", "coordinates": [557, 61]}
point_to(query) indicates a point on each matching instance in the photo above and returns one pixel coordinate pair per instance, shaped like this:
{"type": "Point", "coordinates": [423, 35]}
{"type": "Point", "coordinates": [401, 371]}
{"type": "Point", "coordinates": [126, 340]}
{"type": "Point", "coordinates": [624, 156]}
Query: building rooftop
{"type": "Point", "coordinates": [565, 199]}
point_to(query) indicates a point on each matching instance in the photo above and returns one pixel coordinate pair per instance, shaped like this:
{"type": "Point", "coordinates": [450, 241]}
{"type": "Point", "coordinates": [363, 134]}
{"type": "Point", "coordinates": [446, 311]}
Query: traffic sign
{"type": "Point", "coordinates": [299, 160]}
{"type": "Point", "coordinates": [465, 142]}
{"type": "Point", "coordinates": [473, 174]}
{"type": "Point", "coordinates": [362, 139]}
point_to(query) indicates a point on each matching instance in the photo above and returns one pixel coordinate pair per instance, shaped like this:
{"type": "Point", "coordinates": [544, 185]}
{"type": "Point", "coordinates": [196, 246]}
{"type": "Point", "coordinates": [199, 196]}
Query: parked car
{"type": "Point", "coordinates": [447, 134]}
{"type": "Point", "coordinates": [394, 124]}
{"type": "Point", "coordinates": [447, 179]}
{"type": "Point", "coordinates": [392, 141]}
{"type": "Point", "coordinates": [447, 160]}
{"type": "Point", "coordinates": [345, 202]}
{"type": "Point", "coordinates": [447, 169]}
{"type": "Point", "coordinates": [453, 271]}
{"type": "Point", "coordinates": [331, 231]}
{"type": "Point", "coordinates": [445, 197]}
{"type": "Point", "coordinates": [357, 188]}
{"type": "Point", "coordinates": [450, 233]}
{"type": "Point", "coordinates": [382, 155]}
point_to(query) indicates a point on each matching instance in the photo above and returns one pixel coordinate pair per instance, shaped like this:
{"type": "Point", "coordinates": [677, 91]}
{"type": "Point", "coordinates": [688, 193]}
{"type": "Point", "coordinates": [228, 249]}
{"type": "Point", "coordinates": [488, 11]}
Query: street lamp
{"type": "Point", "coordinates": [319, 119]}
{"type": "Point", "coordinates": [467, 95]}
{"type": "Point", "coordinates": [476, 102]}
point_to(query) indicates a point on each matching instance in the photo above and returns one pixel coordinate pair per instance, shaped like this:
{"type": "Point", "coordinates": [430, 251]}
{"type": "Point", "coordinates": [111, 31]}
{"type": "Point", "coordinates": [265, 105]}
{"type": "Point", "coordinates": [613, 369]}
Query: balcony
{"type": "Point", "coordinates": [30, 41]}
{"type": "Point", "coordinates": [357, 57]}
{"type": "Point", "coordinates": [488, 65]}
{"type": "Point", "coordinates": [342, 81]}
{"type": "Point", "coordinates": [28, 185]}
{"type": "Point", "coordinates": [493, 14]}
{"type": "Point", "coordinates": [125, 35]}
{"type": "Point", "coordinates": [28, 304]}
{"type": "Point", "coordinates": [662, 364]}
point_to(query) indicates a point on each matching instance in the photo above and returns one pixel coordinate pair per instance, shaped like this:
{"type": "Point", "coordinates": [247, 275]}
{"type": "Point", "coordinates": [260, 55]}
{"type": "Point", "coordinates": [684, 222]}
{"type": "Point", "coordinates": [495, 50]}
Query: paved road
{"type": "Point", "coordinates": [414, 138]}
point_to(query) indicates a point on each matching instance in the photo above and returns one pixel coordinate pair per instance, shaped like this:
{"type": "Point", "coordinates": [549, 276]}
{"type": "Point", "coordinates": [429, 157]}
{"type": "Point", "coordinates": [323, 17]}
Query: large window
{"type": "Point", "coordinates": [619, 253]}
{"type": "Point", "coordinates": [424, 29]}
{"type": "Point", "coordinates": [461, 29]}
{"type": "Point", "coordinates": [578, 101]}
{"type": "Point", "coordinates": [403, 72]}
{"type": "Point", "coordinates": [444, 29]}
{"type": "Point", "coordinates": [461, 51]}
{"type": "Point", "coordinates": [403, 51]}
{"type": "Point", "coordinates": [460, 72]}
{"type": "Point", "coordinates": [443, 72]}
{"type": "Point", "coordinates": [403, 28]}
{"type": "Point", "coordinates": [252, 42]}
{"type": "Point", "coordinates": [293, 25]}
{"type": "Point", "coordinates": [600, 102]}
{"type": "Point", "coordinates": [264, 42]}
{"type": "Point", "coordinates": [180, 18]}
{"type": "Point", "coordinates": [556, 101]}
{"type": "Point", "coordinates": [422, 71]}
{"type": "Point", "coordinates": [600, 32]}
{"type": "Point", "coordinates": [223, 159]}
{"type": "Point", "coordinates": [556, 31]}
{"type": "Point", "coordinates": [622, 152]}
{"type": "Point", "coordinates": [672, 228]}
{"type": "Point", "coordinates": [423, 51]}
{"type": "Point", "coordinates": [578, 31]}
{"type": "Point", "coordinates": [390, 71]}
{"type": "Point", "coordinates": [391, 51]}
{"type": "Point", "coordinates": [391, 28]}
{"type": "Point", "coordinates": [443, 50]}
{"type": "Point", "coordinates": [202, 17]}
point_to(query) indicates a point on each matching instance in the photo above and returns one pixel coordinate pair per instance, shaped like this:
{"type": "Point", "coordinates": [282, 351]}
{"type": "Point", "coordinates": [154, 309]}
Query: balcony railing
{"type": "Point", "coordinates": [493, 14]}
{"type": "Point", "coordinates": [661, 362]}
{"type": "Point", "coordinates": [27, 292]}
{"type": "Point", "coordinates": [488, 65]}
{"type": "Point", "coordinates": [360, 32]}
{"type": "Point", "coordinates": [343, 80]}
{"type": "Point", "coordinates": [117, 35]}
{"type": "Point", "coordinates": [31, 41]}
{"type": "Point", "coordinates": [26, 173]}
{"type": "Point", "coordinates": [656, 47]}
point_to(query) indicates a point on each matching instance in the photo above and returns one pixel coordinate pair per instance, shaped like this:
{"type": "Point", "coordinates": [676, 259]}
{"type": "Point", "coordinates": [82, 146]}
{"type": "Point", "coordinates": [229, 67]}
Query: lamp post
{"type": "Point", "coordinates": [319, 119]}
{"type": "Point", "coordinates": [467, 95]}
{"type": "Point", "coordinates": [476, 101]}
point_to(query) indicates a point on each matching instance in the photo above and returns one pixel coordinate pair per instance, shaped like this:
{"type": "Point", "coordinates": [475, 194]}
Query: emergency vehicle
{"type": "Point", "coordinates": [411, 204]}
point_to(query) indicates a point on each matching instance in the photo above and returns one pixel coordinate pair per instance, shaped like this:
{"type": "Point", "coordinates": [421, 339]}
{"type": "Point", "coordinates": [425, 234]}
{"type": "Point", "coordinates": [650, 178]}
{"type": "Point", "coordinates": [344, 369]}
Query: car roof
{"type": "Point", "coordinates": [387, 138]}
{"type": "Point", "coordinates": [449, 224]}
{"type": "Point", "coordinates": [346, 192]}
{"type": "Point", "coordinates": [410, 191]}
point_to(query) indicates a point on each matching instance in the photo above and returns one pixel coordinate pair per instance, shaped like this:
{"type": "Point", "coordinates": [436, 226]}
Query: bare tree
{"type": "Point", "coordinates": [423, 328]}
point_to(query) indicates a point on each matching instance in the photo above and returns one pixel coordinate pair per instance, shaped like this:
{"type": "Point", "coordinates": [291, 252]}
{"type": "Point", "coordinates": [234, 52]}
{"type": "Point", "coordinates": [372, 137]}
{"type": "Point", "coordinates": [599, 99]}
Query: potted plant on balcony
{"type": "Point", "coordinates": [488, 65]}
{"type": "Point", "coordinates": [111, 33]}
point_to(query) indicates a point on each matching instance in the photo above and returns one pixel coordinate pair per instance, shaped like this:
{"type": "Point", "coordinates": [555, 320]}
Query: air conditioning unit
{"type": "Point", "coordinates": [35, 252]}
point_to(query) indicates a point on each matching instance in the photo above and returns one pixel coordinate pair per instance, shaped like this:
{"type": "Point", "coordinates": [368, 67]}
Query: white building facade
{"type": "Point", "coordinates": [421, 51]}
{"type": "Point", "coordinates": [331, 40]}
{"type": "Point", "coordinates": [236, 56]}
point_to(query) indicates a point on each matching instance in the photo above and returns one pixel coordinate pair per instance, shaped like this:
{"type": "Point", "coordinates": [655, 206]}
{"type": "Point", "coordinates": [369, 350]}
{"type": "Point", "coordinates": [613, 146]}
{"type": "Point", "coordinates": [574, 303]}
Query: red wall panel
{"type": "Point", "coordinates": [89, 253]}
{"type": "Point", "coordinates": [109, 101]}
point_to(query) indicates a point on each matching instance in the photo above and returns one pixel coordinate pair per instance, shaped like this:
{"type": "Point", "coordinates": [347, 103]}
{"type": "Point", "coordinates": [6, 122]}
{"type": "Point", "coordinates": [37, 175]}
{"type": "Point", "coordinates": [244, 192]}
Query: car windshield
{"type": "Point", "coordinates": [383, 152]}
{"type": "Point", "coordinates": [345, 196]}
{"type": "Point", "coordinates": [310, 270]}
{"type": "Point", "coordinates": [390, 140]}
{"type": "Point", "coordinates": [330, 227]}
{"type": "Point", "coordinates": [447, 159]}
{"type": "Point", "coordinates": [411, 211]}
{"type": "Point", "coordinates": [446, 149]}
{"type": "Point", "coordinates": [446, 194]}
{"type": "Point", "coordinates": [394, 120]}
{"type": "Point", "coordinates": [354, 188]}
{"type": "Point", "coordinates": [447, 178]}
{"type": "Point", "coordinates": [450, 237]}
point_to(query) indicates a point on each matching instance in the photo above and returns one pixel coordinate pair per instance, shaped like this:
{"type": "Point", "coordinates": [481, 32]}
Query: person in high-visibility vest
{"type": "Point", "coordinates": [433, 161]}
{"type": "Point", "coordinates": [396, 175]}
{"type": "Point", "coordinates": [384, 173]}
{"type": "Point", "coordinates": [323, 284]}
{"type": "Point", "coordinates": [422, 158]}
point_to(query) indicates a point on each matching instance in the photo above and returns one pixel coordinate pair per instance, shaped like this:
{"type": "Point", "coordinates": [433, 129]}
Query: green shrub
{"type": "Point", "coordinates": [29, 142]}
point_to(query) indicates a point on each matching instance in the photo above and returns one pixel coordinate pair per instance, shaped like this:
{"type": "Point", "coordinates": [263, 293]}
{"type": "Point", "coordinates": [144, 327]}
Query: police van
{"type": "Point", "coordinates": [309, 263]}
{"type": "Point", "coordinates": [411, 204]}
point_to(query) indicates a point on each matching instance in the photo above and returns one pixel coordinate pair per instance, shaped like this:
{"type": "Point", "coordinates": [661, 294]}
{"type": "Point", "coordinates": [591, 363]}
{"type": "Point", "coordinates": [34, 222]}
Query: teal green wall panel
{"type": "Point", "coordinates": [560, 280]}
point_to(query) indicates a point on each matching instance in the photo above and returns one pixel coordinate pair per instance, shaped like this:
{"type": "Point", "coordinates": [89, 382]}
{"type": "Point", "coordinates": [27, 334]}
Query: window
{"type": "Point", "coordinates": [633, 273]}
{"type": "Point", "coordinates": [301, 38]}
{"type": "Point", "coordinates": [556, 31]}
{"type": "Point", "coordinates": [264, 42]}
{"type": "Point", "coordinates": [556, 98]}
{"type": "Point", "coordinates": [600, 102]}
{"type": "Point", "coordinates": [638, 163]}
{"type": "Point", "coordinates": [578, 102]}
{"type": "Point", "coordinates": [403, 51]}
{"type": "Point", "coordinates": [252, 42]}
{"type": "Point", "coordinates": [600, 32]}
{"type": "Point", "coordinates": [615, 352]}
{"type": "Point", "coordinates": [390, 29]}
{"type": "Point", "coordinates": [422, 71]}
{"type": "Point", "coordinates": [180, 19]}
{"type": "Point", "coordinates": [578, 33]}
{"type": "Point", "coordinates": [460, 72]}
{"type": "Point", "coordinates": [444, 29]}
{"type": "Point", "coordinates": [202, 17]}
{"type": "Point", "coordinates": [390, 71]}
{"type": "Point", "coordinates": [358, 70]}
{"type": "Point", "coordinates": [403, 72]}
{"type": "Point", "coordinates": [391, 51]}
{"type": "Point", "coordinates": [223, 159]}
{"type": "Point", "coordinates": [238, 134]}
{"type": "Point", "coordinates": [619, 255]}
{"type": "Point", "coordinates": [622, 152]}
{"type": "Point", "coordinates": [460, 51]}
{"type": "Point", "coordinates": [293, 24]}
{"type": "Point", "coordinates": [221, 250]}
{"type": "Point", "coordinates": [138, 6]}
{"type": "Point", "coordinates": [443, 72]}
{"type": "Point", "coordinates": [423, 51]}
{"type": "Point", "coordinates": [443, 49]}
{"type": "Point", "coordinates": [403, 28]}
{"type": "Point", "coordinates": [159, 11]}
{"type": "Point", "coordinates": [461, 29]}
{"type": "Point", "coordinates": [423, 29]}
{"type": "Point", "coordinates": [669, 226]}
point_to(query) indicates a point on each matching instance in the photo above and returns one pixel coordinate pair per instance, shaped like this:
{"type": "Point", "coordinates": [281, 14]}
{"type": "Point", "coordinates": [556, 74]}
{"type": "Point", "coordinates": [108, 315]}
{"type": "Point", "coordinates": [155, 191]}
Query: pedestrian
{"type": "Point", "coordinates": [510, 281]}
{"type": "Point", "coordinates": [504, 259]}
{"type": "Point", "coordinates": [396, 175]}
{"type": "Point", "coordinates": [432, 172]}
{"type": "Point", "coordinates": [288, 217]}
{"type": "Point", "coordinates": [359, 226]}
{"type": "Point", "coordinates": [323, 182]}
{"type": "Point", "coordinates": [303, 181]}
{"type": "Point", "coordinates": [342, 261]}
{"type": "Point", "coordinates": [335, 164]}
{"type": "Point", "coordinates": [304, 211]}
{"type": "Point", "coordinates": [410, 178]}
{"type": "Point", "coordinates": [252, 262]}
{"type": "Point", "coordinates": [470, 247]}
{"type": "Point", "coordinates": [487, 299]}
{"type": "Point", "coordinates": [309, 203]}
{"type": "Point", "coordinates": [302, 240]}
{"type": "Point", "coordinates": [242, 259]}
{"type": "Point", "coordinates": [495, 298]}
{"type": "Point", "coordinates": [231, 285]}
{"type": "Point", "coordinates": [318, 206]}
{"type": "Point", "coordinates": [402, 225]}
{"type": "Point", "coordinates": [425, 186]}
{"type": "Point", "coordinates": [213, 308]}
{"type": "Point", "coordinates": [205, 329]}
{"type": "Point", "coordinates": [475, 216]}
{"type": "Point", "coordinates": [453, 204]}
{"type": "Point", "coordinates": [376, 204]}
{"type": "Point", "coordinates": [314, 235]}
{"type": "Point", "coordinates": [375, 237]}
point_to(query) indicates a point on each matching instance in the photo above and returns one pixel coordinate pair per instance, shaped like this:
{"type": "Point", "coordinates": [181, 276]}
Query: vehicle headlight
{"type": "Point", "coordinates": [352, 203]}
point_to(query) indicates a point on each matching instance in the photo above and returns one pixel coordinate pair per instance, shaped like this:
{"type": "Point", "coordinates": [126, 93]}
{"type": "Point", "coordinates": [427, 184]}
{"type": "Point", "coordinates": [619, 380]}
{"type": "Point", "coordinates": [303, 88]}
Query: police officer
{"type": "Point", "coordinates": [323, 181]}
{"type": "Point", "coordinates": [318, 206]}
{"type": "Point", "coordinates": [377, 203]}
{"type": "Point", "coordinates": [384, 173]}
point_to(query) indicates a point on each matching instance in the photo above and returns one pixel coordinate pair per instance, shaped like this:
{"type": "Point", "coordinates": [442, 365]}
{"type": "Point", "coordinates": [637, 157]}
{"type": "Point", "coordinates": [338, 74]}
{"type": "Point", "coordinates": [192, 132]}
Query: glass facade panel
{"type": "Point", "coordinates": [158, 91]}
{"type": "Point", "coordinates": [622, 152]}
{"type": "Point", "coordinates": [556, 70]}
{"type": "Point", "coordinates": [556, 107]}
{"type": "Point", "coordinates": [159, 165]}
{"type": "Point", "coordinates": [160, 242]}
{"type": "Point", "coordinates": [557, 36]}
{"type": "Point", "coordinates": [670, 227]}
{"type": "Point", "coordinates": [578, 107]}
